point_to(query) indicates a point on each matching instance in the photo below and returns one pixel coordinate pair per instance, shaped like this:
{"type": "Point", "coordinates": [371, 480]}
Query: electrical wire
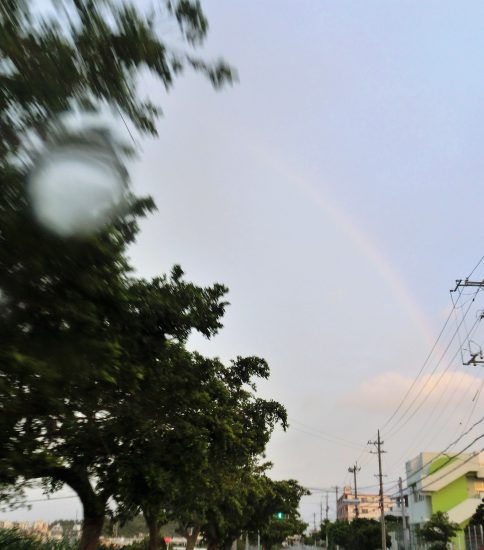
{"type": "Point", "coordinates": [47, 499]}
{"type": "Point", "coordinates": [325, 434]}
{"type": "Point", "coordinates": [434, 346]}
{"type": "Point", "coordinates": [430, 416]}
{"type": "Point", "coordinates": [427, 425]}
{"type": "Point", "coordinates": [318, 436]}
{"type": "Point", "coordinates": [473, 455]}
{"type": "Point", "coordinates": [395, 427]}
{"type": "Point", "coordinates": [475, 401]}
{"type": "Point", "coordinates": [444, 452]}
{"type": "Point", "coordinates": [427, 359]}
{"type": "Point", "coordinates": [450, 459]}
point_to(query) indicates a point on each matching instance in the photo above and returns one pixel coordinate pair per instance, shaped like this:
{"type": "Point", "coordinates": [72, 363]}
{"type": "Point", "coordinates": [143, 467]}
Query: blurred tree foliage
{"type": "Point", "coordinates": [75, 324]}
{"type": "Point", "coordinates": [90, 52]}
{"type": "Point", "coordinates": [97, 388]}
{"type": "Point", "coordinates": [11, 539]}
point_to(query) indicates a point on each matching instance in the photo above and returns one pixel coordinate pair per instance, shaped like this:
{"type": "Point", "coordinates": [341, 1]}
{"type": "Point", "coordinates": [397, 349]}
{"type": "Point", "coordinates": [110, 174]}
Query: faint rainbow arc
{"type": "Point", "coordinates": [348, 227]}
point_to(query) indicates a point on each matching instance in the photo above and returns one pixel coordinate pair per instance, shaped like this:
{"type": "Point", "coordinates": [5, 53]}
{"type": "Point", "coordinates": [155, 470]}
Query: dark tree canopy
{"type": "Point", "coordinates": [478, 516]}
{"type": "Point", "coordinates": [74, 321]}
{"type": "Point", "coordinates": [359, 534]}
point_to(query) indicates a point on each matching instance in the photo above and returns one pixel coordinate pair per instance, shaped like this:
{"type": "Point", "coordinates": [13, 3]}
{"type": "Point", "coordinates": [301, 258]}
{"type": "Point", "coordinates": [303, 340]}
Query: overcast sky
{"type": "Point", "coordinates": [337, 191]}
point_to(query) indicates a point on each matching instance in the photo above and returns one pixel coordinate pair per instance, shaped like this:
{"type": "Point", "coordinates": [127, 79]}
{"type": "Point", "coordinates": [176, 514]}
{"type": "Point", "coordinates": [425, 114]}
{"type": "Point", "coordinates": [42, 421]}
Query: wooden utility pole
{"type": "Point", "coordinates": [378, 443]}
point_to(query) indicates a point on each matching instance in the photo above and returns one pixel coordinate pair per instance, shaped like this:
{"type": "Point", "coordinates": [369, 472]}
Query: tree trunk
{"type": "Point", "coordinates": [93, 504]}
{"type": "Point", "coordinates": [155, 539]}
{"type": "Point", "coordinates": [192, 539]}
{"type": "Point", "coordinates": [91, 531]}
{"type": "Point", "coordinates": [154, 525]}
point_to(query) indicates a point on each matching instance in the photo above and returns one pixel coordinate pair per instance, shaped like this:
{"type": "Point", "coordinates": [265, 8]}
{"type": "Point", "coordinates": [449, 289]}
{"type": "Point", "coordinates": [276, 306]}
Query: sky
{"type": "Point", "coordinates": [336, 190]}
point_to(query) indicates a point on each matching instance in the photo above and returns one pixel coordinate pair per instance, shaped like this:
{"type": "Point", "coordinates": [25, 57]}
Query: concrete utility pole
{"type": "Point", "coordinates": [336, 491]}
{"type": "Point", "coordinates": [378, 443]}
{"type": "Point", "coordinates": [314, 532]}
{"type": "Point", "coordinates": [404, 519]}
{"type": "Point", "coordinates": [327, 507]}
{"type": "Point", "coordinates": [353, 470]}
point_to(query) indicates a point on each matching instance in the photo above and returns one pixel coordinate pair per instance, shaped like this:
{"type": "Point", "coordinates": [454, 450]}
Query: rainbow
{"type": "Point", "coordinates": [348, 227]}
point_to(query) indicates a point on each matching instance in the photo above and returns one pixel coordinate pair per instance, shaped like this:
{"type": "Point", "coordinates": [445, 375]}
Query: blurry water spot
{"type": "Point", "coordinates": [75, 189]}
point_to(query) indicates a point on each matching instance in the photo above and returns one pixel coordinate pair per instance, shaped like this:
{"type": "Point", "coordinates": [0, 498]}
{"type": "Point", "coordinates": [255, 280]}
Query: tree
{"type": "Point", "coordinates": [324, 529]}
{"type": "Point", "coordinates": [197, 457]}
{"type": "Point", "coordinates": [67, 305]}
{"type": "Point", "coordinates": [359, 534]}
{"type": "Point", "coordinates": [478, 516]}
{"type": "Point", "coordinates": [277, 515]}
{"type": "Point", "coordinates": [80, 422]}
{"type": "Point", "coordinates": [438, 531]}
{"type": "Point", "coordinates": [89, 53]}
{"type": "Point", "coordinates": [338, 533]}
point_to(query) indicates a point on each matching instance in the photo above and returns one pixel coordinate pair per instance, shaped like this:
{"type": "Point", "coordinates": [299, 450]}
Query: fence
{"type": "Point", "coordinates": [474, 537]}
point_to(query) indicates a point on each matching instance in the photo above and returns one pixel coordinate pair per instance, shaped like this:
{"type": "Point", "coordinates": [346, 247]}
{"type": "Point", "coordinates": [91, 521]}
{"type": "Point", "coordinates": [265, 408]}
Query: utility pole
{"type": "Point", "coordinates": [404, 519]}
{"type": "Point", "coordinates": [476, 358]}
{"type": "Point", "coordinates": [327, 507]}
{"type": "Point", "coordinates": [336, 491]}
{"type": "Point", "coordinates": [378, 443]}
{"type": "Point", "coordinates": [353, 470]}
{"type": "Point", "coordinates": [314, 532]}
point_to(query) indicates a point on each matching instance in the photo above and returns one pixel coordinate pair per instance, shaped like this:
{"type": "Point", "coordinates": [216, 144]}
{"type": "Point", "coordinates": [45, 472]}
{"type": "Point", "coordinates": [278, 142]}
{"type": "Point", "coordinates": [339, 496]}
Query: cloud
{"type": "Point", "coordinates": [384, 392]}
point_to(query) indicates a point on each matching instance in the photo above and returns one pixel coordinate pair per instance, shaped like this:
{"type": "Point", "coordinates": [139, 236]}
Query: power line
{"type": "Point", "coordinates": [449, 460]}
{"type": "Point", "coordinates": [427, 359]}
{"type": "Point", "coordinates": [319, 436]}
{"type": "Point", "coordinates": [426, 426]}
{"type": "Point", "coordinates": [477, 265]}
{"type": "Point", "coordinates": [324, 435]}
{"type": "Point", "coordinates": [443, 453]}
{"type": "Point", "coordinates": [434, 346]}
{"type": "Point", "coordinates": [396, 427]}
{"type": "Point", "coordinates": [473, 455]}
{"type": "Point", "coordinates": [419, 406]}
{"type": "Point", "coordinates": [48, 499]}
{"type": "Point", "coordinates": [475, 401]}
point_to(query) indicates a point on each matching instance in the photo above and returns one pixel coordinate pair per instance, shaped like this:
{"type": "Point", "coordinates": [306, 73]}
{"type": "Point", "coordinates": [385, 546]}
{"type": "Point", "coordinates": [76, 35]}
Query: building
{"type": "Point", "coordinates": [445, 483]}
{"type": "Point", "coordinates": [368, 505]}
{"type": "Point", "coordinates": [56, 532]}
